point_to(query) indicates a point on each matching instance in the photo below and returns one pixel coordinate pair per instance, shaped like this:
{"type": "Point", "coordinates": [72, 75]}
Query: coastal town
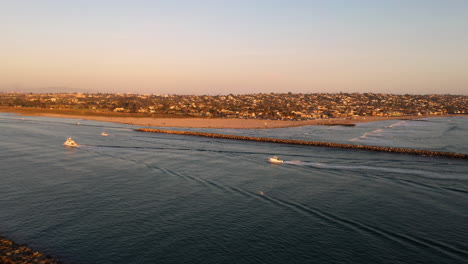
{"type": "Point", "coordinates": [273, 106]}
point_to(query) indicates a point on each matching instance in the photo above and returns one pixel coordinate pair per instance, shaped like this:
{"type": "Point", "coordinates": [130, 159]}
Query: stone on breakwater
{"type": "Point", "coordinates": [314, 143]}
{"type": "Point", "coordinates": [338, 124]}
{"type": "Point", "coordinates": [12, 253]}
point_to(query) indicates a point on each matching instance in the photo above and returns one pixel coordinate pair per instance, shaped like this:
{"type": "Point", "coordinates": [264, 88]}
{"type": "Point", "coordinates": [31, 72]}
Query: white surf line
{"type": "Point", "coordinates": [396, 124]}
{"type": "Point", "coordinates": [367, 134]}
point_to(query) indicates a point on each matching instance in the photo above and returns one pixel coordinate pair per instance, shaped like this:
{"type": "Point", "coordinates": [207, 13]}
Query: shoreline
{"type": "Point", "coordinates": [218, 123]}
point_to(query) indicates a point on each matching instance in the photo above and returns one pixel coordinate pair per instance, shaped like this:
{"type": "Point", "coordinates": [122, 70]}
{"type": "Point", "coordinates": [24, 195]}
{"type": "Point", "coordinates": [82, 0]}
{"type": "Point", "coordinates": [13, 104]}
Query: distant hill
{"type": "Point", "coordinates": [46, 90]}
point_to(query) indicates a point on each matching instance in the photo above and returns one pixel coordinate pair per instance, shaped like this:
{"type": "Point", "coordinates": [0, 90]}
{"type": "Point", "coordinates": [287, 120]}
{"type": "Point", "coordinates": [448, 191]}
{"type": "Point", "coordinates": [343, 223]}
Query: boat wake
{"type": "Point", "coordinates": [420, 173]}
{"type": "Point", "coordinates": [308, 210]}
{"type": "Point", "coordinates": [315, 212]}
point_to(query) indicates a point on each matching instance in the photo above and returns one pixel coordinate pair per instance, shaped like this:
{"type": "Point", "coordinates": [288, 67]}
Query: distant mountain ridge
{"type": "Point", "coordinates": [57, 89]}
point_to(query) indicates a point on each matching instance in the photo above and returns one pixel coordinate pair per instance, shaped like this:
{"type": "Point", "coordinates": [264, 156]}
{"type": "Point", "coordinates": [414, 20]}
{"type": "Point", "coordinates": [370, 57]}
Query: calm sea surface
{"type": "Point", "coordinates": [135, 197]}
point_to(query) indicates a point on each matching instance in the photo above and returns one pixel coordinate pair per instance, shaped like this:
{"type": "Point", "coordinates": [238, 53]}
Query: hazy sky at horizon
{"type": "Point", "coordinates": [221, 47]}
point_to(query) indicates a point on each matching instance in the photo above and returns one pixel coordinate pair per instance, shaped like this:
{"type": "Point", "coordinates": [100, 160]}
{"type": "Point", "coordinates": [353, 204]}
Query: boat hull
{"type": "Point", "coordinates": [276, 161]}
{"type": "Point", "coordinates": [70, 143]}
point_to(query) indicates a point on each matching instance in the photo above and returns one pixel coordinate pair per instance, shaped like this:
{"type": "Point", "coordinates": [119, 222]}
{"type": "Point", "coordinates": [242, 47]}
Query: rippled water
{"type": "Point", "coordinates": [135, 197]}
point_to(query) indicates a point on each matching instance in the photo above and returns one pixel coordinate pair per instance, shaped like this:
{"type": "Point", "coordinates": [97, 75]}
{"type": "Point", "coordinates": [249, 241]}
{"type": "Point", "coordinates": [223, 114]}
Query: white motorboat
{"type": "Point", "coordinates": [70, 143]}
{"type": "Point", "coordinates": [275, 159]}
{"type": "Point", "coordinates": [104, 134]}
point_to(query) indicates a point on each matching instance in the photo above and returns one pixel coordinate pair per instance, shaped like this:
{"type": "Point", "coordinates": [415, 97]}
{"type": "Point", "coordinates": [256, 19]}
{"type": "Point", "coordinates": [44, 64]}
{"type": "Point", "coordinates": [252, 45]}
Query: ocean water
{"type": "Point", "coordinates": [135, 197]}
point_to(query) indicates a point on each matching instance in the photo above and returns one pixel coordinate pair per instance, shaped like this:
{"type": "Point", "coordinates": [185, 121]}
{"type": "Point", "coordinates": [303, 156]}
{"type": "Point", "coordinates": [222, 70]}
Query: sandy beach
{"type": "Point", "coordinates": [236, 123]}
{"type": "Point", "coordinates": [221, 122]}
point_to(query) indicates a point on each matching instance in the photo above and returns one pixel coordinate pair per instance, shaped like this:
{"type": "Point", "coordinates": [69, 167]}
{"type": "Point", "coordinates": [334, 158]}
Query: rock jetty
{"type": "Point", "coordinates": [12, 253]}
{"type": "Point", "coordinates": [314, 143]}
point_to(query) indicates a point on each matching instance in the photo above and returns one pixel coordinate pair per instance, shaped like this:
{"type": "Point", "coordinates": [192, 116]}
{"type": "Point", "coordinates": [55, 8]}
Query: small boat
{"type": "Point", "coordinates": [275, 159]}
{"type": "Point", "coordinates": [104, 134]}
{"type": "Point", "coordinates": [70, 143]}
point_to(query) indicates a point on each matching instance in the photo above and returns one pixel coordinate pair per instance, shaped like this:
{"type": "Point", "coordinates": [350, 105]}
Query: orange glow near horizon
{"type": "Point", "coordinates": [272, 49]}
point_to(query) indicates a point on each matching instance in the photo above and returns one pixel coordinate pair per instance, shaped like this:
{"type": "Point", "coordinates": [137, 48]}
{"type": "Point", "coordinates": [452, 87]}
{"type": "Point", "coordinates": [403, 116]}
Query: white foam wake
{"type": "Point", "coordinates": [319, 165]}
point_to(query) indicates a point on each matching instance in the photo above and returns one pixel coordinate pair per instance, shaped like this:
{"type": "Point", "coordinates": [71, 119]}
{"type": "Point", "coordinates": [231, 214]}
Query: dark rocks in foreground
{"type": "Point", "coordinates": [314, 143]}
{"type": "Point", "coordinates": [12, 253]}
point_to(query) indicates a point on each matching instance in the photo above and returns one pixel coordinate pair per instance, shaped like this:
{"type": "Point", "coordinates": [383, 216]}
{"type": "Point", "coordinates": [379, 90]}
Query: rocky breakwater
{"type": "Point", "coordinates": [313, 143]}
{"type": "Point", "coordinates": [12, 253]}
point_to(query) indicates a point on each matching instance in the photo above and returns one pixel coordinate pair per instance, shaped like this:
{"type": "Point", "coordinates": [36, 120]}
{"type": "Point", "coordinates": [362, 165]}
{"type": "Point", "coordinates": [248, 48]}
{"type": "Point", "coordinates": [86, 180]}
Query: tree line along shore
{"type": "Point", "coordinates": [314, 143]}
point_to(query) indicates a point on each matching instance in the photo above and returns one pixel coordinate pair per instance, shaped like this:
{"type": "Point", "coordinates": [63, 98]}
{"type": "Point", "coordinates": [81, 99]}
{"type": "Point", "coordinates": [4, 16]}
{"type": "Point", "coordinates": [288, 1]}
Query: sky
{"type": "Point", "coordinates": [242, 46]}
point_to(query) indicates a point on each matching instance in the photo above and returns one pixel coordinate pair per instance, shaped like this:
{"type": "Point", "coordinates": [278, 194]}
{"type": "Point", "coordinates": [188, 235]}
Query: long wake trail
{"type": "Point", "coordinates": [443, 248]}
